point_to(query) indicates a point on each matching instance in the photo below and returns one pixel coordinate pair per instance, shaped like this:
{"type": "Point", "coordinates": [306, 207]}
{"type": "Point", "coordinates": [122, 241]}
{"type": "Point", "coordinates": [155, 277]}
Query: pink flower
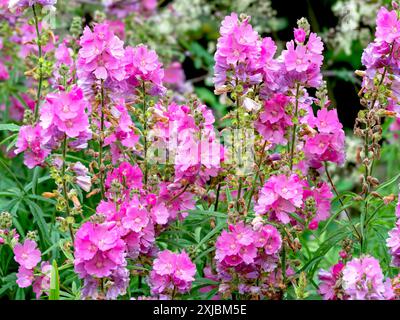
{"type": "Point", "coordinates": [322, 195]}
{"type": "Point", "coordinates": [363, 280]}
{"type": "Point", "coordinates": [387, 26]}
{"type": "Point", "coordinates": [130, 177]}
{"type": "Point", "coordinates": [269, 239]}
{"type": "Point", "coordinates": [101, 54]}
{"type": "Point", "coordinates": [299, 35]}
{"type": "Point", "coordinates": [65, 111]}
{"type": "Point", "coordinates": [98, 249]}
{"type": "Point", "coordinates": [4, 75]}
{"type": "Point", "coordinates": [42, 282]}
{"type": "Point", "coordinates": [136, 217]}
{"type": "Point", "coordinates": [393, 243]}
{"type": "Point", "coordinates": [24, 277]}
{"type": "Point", "coordinates": [32, 141]}
{"type": "Point", "coordinates": [142, 65]}
{"type": "Point", "coordinates": [174, 74]}
{"type": "Point", "coordinates": [27, 254]}
{"type": "Point", "coordinates": [238, 50]}
{"type": "Point", "coordinates": [274, 121]}
{"type": "Point", "coordinates": [329, 143]}
{"type": "Point", "coordinates": [280, 196]}
{"type": "Point", "coordinates": [172, 270]}
{"type": "Point", "coordinates": [329, 279]}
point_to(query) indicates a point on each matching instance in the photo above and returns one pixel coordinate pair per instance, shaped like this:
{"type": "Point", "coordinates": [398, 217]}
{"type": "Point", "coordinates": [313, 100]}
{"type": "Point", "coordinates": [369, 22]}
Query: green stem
{"type": "Point", "coordinates": [341, 202]}
{"type": "Point", "coordinates": [39, 45]}
{"type": "Point", "coordinates": [64, 185]}
{"type": "Point", "coordinates": [144, 110]}
{"type": "Point", "coordinates": [293, 144]}
{"type": "Point", "coordinates": [101, 142]}
{"type": "Point", "coordinates": [253, 188]}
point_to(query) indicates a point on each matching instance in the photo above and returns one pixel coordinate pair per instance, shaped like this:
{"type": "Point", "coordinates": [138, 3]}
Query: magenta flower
{"type": "Point", "coordinates": [137, 217]}
{"type": "Point", "coordinates": [363, 280]}
{"type": "Point", "coordinates": [27, 254]}
{"type": "Point", "coordinates": [279, 197]}
{"type": "Point", "coordinates": [329, 143]}
{"type": "Point", "coordinates": [273, 120]}
{"type": "Point", "coordinates": [25, 277]}
{"type": "Point", "coordinates": [238, 50]}
{"type": "Point", "coordinates": [32, 141]}
{"type": "Point", "coordinates": [98, 249]}
{"type": "Point", "coordinates": [329, 281]}
{"type": "Point", "coordinates": [65, 111]}
{"type": "Point", "coordinates": [387, 26]}
{"type": "Point", "coordinates": [393, 243]}
{"type": "Point", "coordinates": [142, 65]}
{"type": "Point", "coordinates": [101, 54]}
{"type": "Point", "coordinates": [172, 270]}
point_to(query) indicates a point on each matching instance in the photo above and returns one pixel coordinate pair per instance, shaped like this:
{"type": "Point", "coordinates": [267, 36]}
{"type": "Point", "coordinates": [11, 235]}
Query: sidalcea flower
{"type": "Point", "coordinates": [242, 245]}
{"type": "Point", "coordinates": [22, 4]}
{"type": "Point", "coordinates": [33, 142]}
{"type": "Point", "coordinates": [66, 113]}
{"type": "Point", "coordinates": [27, 254]}
{"type": "Point", "coordinates": [302, 62]}
{"type": "Point", "coordinates": [280, 196]}
{"type": "Point", "coordinates": [387, 26]}
{"type": "Point", "coordinates": [41, 283]}
{"type": "Point", "coordinates": [172, 271]}
{"type": "Point", "coordinates": [393, 243]}
{"type": "Point", "coordinates": [143, 66]}
{"type": "Point", "coordinates": [4, 75]}
{"type": "Point", "coordinates": [363, 280]}
{"type": "Point", "coordinates": [329, 286]}
{"type": "Point", "coordinates": [101, 55]}
{"type": "Point", "coordinates": [329, 143]}
{"type": "Point", "coordinates": [98, 250]}
{"type": "Point", "coordinates": [238, 52]}
{"type": "Point", "coordinates": [274, 120]}
{"type": "Point", "coordinates": [129, 176]}
{"type": "Point", "coordinates": [25, 277]}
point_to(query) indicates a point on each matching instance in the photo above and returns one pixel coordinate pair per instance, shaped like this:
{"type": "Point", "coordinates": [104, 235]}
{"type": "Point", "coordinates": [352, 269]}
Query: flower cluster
{"type": "Point", "coordinates": [247, 253]}
{"type": "Point", "coordinates": [327, 144]}
{"type": "Point", "coordinates": [359, 279]}
{"type": "Point", "coordinates": [393, 242]}
{"type": "Point", "coordinates": [28, 256]}
{"type": "Point", "coordinates": [171, 271]}
{"type": "Point", "coordinates": [284, 195]}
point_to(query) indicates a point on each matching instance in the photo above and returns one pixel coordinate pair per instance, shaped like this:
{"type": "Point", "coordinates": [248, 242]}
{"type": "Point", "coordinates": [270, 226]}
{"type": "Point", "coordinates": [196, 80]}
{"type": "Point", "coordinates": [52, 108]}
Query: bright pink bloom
{"type": "Point", "coordinates": [32, 141]}
{"type": "Point", "coordinates": [98, 250]}
{"type": "Point", "coordinates": [299, 35]}
{"type": "Point", "coordinates": [143, 65]}
{"type": "Point", "coordinates": [3, 72]}
{"type": "Point", "coordinates": [101, 54]}
{"type": "Point", "coordinates": [24, 277]}
{"type": "Point", "coordinates": [238, 50]}
{"type": "Point", "coordinates": [27, 254]}
{"type": "Point", "coordinates": [279, 197]}
{"type": "Point", "coordinates": [65, 111]}
{"type": "Point", "coordinates": [329, 281]}
{"type": "Point", "coordinates": [387, 26]}
{"type": "Point", "coordinates": [363, 280]}
{"type": "Point", "coordinates": [172, 270]}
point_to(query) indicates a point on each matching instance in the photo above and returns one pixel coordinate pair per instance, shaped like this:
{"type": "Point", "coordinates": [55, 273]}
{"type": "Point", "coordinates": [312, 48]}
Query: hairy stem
{"type": "Point", "coordinates": [64, 185]}
{"type": "Point", "coordinates": [101, 141]}
{"type": "Point", "coordinates": [39, 45]}
{"type": "Point", "coordinates": [341, 202]}
{"type": "Point", "coordinates": [293, 144]}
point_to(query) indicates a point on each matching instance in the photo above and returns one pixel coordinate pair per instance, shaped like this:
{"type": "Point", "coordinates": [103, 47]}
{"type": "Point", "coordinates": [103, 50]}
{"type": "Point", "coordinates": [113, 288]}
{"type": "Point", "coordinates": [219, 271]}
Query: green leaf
{"type": "Point", "coordinates": [54, 283]}
{"type": "Point", "coordinates": [38, 214]}
{"type": "Point", "coordinates": [9, 127]}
